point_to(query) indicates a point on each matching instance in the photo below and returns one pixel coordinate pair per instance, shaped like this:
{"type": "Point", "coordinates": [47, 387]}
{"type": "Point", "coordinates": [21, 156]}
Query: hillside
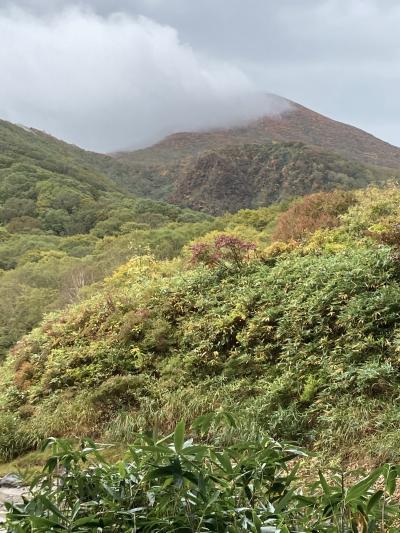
{"type": "Point", "coordinates": [298, 338]}
{"type": "Point", "coordinates": [254, 175]}
{"type": "Point", "coordinates": [165, 170]}
{"type": "Point", "coordinates": [64, 225]}
{"type": "Point", "coordinates": [49, 185]}
{"type": "Point", "coordinates": [66, 220]}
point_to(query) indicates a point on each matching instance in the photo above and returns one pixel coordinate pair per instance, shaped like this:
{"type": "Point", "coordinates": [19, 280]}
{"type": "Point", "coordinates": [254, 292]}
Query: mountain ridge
{"type": "Point", "coordinates": [165, 170]}
{"type": "Point", "coordinates": [222, 167]}
{"type": "Point", "coordinates": [297, 123]}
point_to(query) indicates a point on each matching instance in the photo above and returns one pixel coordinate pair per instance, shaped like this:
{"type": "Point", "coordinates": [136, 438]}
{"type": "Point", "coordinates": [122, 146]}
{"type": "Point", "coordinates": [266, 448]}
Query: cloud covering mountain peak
{"type": "Point", "coordinates": [109, 82]}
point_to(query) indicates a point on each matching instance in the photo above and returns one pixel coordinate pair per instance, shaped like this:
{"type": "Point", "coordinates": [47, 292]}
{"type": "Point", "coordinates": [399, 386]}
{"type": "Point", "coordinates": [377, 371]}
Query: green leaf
{"type": "Point", "coordinates": [391, 478]}
{"type": "Point", "coordinates": [203, 423]}
{"type": "Point", "coordinates": [324, 484]}
{"type": "Point", "coordinates": [282, 503]}
{"type": "Point", "coordinates": [361, 488]}
{"type": "Point", "coordinates": [230, 419]}
{"type": "Point", "coordinates": [374, 500]}
{"type": "Point", "coordinates": [89, 521]}
{"type": "Point", "coordinates": [39, 522]}
{"type": "Point", "coordinates": [225, 461]}
{"type": "Point", "coordinates": [179, 436]}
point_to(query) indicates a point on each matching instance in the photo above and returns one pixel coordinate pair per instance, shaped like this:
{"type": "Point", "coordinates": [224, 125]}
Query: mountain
{"type": "Point", "coordinates": [236, 168]}
{"type": "Point", "coordinates": [297, 123]}
{"type": "Point", "coordinates": [273, 158]}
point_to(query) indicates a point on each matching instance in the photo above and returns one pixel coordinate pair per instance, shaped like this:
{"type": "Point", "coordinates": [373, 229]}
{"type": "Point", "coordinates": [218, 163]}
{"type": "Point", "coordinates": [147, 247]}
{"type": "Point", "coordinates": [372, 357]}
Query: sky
{"type": "Point", "coordinates": [116, 74]}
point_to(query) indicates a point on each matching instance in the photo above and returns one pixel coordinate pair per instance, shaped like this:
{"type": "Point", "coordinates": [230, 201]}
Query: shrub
{"type": "Point", "coordinates": [320, 210]}
{"type": "Point", "coordinates": [118, 392]}
{"type": "Point", "coordinates": [174, 484]}
{"type": "Point", "coordinates": [310, 389]}
{"type": "Point", "coordinates": [14, 438]}
{"type": "Point", "coordinates": [225, 251]}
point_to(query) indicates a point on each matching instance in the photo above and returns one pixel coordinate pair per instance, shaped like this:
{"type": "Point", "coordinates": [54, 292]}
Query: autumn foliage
{"type": "Point", "coordinates": [320, 210]}
{"type": "Point", "coordinates": [226, 250]}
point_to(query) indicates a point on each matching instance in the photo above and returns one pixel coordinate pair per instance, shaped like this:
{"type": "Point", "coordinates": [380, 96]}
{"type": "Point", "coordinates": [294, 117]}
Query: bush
{"type": "Point", "coordinates": [320, 210]}
{"type": "Point", "coordinates": [118, 392]}
{"type": "Point", "coordinates": [227, 251]}
{"type": "Point", "coordinates": [14, 439]}
{"type": "Point", "coordinates": [176, 484]}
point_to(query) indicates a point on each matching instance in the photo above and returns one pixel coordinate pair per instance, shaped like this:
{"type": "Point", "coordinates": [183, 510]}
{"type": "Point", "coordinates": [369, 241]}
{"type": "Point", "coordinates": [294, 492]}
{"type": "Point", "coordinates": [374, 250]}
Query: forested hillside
{"type": "Point", "coordinates": [66, 220]}
{"type": "Point", "coordinates": [254, 175]}
{"type": "Point", "coordinates": [48, 185]}
{"type": "Point", "coordinates": [288, 320]}
{"type": "Point", "coordinates": [64, 225]}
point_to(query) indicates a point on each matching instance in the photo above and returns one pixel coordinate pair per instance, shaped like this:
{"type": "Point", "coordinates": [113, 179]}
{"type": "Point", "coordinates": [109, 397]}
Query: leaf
{"type": "Point", "coordinates": [297, 451]}
{"type": "Point", "coordinates": [374, 500]}
{"type": "Point", "coordinates": [391, 478]}
{"type": "Point", "coordinates": [52, 507]}
{"type": "Point", "coordinates": [203, 423]}
{"type": "Point", "coordinates": [324, 484]}
{"type": "Point", "coordinates": [179, 436]}
{"type": "Point", "coordinates": [173, 469]}
{"type": "Point", "coordinates": [282, 503]}
{"type": "Point", "coordinates": [39, 522]}
{"type": "Point", "coordinates": [361, 488]}
{"type": "Point", "coordinates": [194, 450]}
{"type": "Point", "coordinates": [230, 419]}
{"type": "Point", "coordinates": [225, 461]}
{"type": "Point", "coordinates": [89, 521]}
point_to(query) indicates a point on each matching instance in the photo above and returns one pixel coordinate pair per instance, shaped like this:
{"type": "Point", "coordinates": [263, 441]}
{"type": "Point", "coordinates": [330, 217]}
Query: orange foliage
{"type": "Point", "coordinates": [320, 210]}
{"type": "Point", "coordinates": [24, 375]}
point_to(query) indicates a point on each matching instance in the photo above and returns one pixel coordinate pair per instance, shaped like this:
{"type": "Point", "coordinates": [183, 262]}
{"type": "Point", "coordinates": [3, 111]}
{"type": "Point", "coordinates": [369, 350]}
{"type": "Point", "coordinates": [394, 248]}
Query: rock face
{"type": "Point", "coordinates": [11, 490]}
{"type": "Point", "coordinates": [11, 481]}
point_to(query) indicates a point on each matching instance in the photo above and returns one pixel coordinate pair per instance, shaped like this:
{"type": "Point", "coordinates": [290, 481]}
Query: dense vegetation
{"type": "Point", "coordinates": [64, 225]}
{"type": "Point", "coordinates": [172, 483]}
{"type": "Point", "coordinates": [254, 175]}
{"type": "Point", "coordinates": [120, 314]}
{"type": "Point", "coordinates": [298, 337]}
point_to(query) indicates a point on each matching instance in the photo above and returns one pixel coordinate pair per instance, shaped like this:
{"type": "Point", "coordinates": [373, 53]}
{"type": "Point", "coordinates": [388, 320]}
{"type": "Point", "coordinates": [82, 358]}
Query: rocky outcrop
{"type": "Point", "coordinates": [11, 490]}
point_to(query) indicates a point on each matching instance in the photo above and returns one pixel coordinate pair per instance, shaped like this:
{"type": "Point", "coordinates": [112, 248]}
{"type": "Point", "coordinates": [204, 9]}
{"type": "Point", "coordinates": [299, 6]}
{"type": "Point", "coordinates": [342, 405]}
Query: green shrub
{"type": "Point", "coordinates": [174, 483]}
{"type": "Point", "coordinates": [14, 438]}
{"type": "Point", "coordinates": [119, 392]}
{"type": "Point", "coordinates": [310, 389]}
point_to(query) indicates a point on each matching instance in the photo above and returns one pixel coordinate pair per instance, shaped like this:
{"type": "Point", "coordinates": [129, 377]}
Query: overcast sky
{"type": "Point", "coordinates": [110, 74]}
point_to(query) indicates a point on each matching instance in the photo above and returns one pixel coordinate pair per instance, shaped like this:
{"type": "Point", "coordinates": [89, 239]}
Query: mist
{"type": "Point", "coordinates": [115, 82]}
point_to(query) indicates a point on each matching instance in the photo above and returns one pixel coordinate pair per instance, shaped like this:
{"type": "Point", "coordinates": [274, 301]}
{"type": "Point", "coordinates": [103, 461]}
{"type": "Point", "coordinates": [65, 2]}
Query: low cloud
{"type": "Point", "coordinates": [116, 81]}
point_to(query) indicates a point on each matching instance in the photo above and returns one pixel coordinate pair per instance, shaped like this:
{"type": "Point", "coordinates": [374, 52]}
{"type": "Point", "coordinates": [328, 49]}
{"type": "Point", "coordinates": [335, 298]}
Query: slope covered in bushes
{"type": "Point", "coordinates": [254, 175]}
{"type": "Point", "coordinates": [44, 272]}
{"type": "Point", "coordinates": [64, 225]}
{"type": "Point", "coordinates": [298, 337]}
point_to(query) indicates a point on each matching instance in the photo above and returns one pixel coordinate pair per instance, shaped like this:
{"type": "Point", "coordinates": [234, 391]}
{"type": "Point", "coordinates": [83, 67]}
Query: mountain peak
{"type": "Point", "coordinates": [290, 122]}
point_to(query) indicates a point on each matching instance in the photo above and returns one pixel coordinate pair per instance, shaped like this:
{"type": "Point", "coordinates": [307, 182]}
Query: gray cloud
{"type": "Point", "coordinates": [116, 81]}
{"type": "Point", "coordinates": [108, 81]}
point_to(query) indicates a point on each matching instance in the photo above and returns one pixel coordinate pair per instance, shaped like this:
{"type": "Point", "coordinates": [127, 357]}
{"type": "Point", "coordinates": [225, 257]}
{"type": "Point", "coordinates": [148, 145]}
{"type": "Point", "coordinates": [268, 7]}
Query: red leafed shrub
{"type": "Point", "coordinates": [224, 251]}
{"type": "Point", "coordinates": [320, 210]}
